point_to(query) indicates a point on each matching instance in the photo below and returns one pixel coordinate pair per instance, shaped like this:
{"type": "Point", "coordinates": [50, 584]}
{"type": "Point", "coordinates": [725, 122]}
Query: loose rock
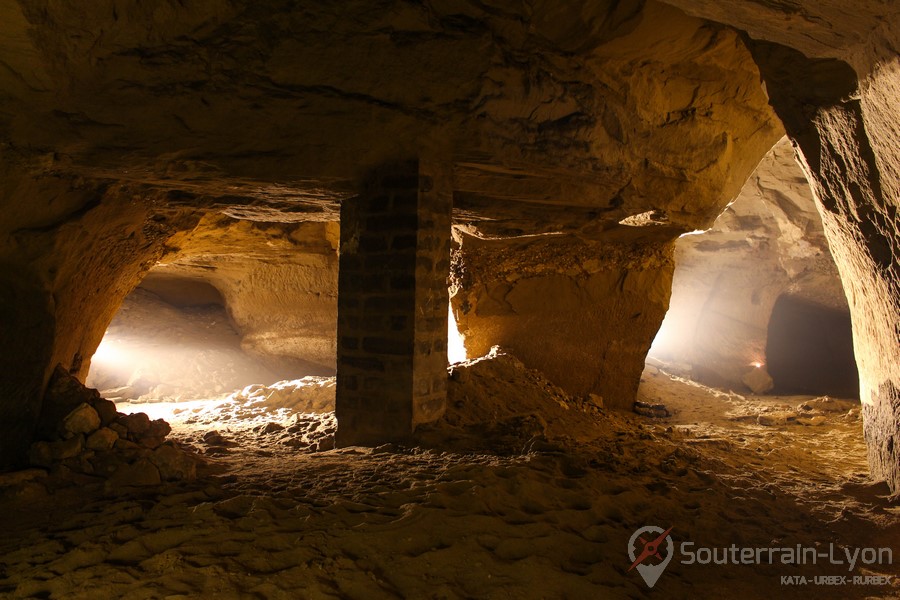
{"type": "Point", "coordinates": [758, 380]}
{"type": "Point", "coordinates": [173, 463]}
{"type": "Point", "coordinates": [141, 473]}
{"type": "Point", "coordinates": [84, 419]}
{"type": "Point", "coordinates": [102, 439]}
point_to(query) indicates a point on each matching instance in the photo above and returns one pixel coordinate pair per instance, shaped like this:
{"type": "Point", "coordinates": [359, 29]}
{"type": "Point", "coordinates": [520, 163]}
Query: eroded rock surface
{"type": "Point", "coordinates": [581, 311]}
{"type": "Point", "coordinates": [122, 127]}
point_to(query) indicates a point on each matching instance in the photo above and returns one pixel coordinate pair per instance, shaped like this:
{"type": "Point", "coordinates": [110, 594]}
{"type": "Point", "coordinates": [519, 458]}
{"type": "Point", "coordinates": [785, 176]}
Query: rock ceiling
{"type": "Point", "coordinates": [611, 108]}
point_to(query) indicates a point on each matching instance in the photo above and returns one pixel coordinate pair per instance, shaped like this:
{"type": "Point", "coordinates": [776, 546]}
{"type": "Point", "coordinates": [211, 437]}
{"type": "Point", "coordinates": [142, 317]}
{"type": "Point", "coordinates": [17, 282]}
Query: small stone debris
{"type": "Point", "coordinates": [140, 473]}
{"type": "Point", "coordinates": [776, 418]}
{"type": "Point", "coordinates": [84, 419]}
{"type": "Point", "coordinates": [657, 411]}
{"type": "Point", "coordinates": [102, 439]}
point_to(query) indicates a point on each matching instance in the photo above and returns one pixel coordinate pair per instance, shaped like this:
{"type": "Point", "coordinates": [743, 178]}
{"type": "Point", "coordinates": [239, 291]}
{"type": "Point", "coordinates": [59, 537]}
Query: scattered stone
{"type": "Point", "coordinates": [141, 473]}
{"type": "Point", "coordinates": [298, 443]}
{"type": "Point", "coordinates": [155, 434]}
{"type": "Point", "coordinates": [326, 443]}
{"type": "Point", "coordinates": [271, 427]}
{"type": "Point", "coordinates": [84, 419]}
{"type": "Point", "coordinates": [827, 404]}
{"type": "Point", "coordinates": [776, 418]}
{"type": "Point", "coordinates": [758, 380]}
{"type": "Point", "coordinates": [216, 439]}
{"type": "Point", "coordinates": [64, 394]}
{"type": "Point", "coordinates": [595, 400]}
{"type": "Point", "coordinates": [70, 448]}
{"type": "Point", "coordinates": [233, 508]}
{"type": "Point", "coordinates": [159, 428]}
{"type": "Point", "coordinates": [102, 439]}
{"type": "Point", "coordinates": [657, 411]}
{"type": "Point", "coordinates": [107, 411]}
{"type": "Point", "coordinates": [106, 463]}
{"type": "Point", "coordinates": [812, 421]}
{"type": "Point", "coordinates": [91, 438]}
{"type": "Point", "coordinates": [137, 424]}
{"type": "Point", "coordinates": [174, 463]}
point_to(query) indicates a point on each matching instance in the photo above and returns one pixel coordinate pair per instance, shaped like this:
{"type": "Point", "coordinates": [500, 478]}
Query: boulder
{"type": "Point", "coordinates": [83, 419]}
{"type": "Point", "coordinates": [102, 439]}
{"type": "Point", "coordinates": [174, 463]}
{"type": "Point", "coordinates": [758, 380]}
{"type": "Point", "coordinates": [137, 424]}
{"type": "Point", "coordinates": [141, 473]}
{"type": "Point", "coordinates": [64, 394]}
{"type": "Point", "coordinates": [107, 411]}
{"type": "Point", "coordinates": [70, 448]}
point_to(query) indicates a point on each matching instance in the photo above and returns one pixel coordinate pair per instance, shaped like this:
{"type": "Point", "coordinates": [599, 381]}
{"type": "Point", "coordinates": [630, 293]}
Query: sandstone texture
{"type": "Point", "coordinates": [148, 135]}
{"type": "Point", "coordinates": [581, 311]}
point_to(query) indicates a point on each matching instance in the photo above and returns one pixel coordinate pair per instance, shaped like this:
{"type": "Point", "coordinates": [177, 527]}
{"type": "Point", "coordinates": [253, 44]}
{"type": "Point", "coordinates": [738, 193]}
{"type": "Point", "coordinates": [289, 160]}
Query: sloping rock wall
{"type": "Point", "coordinates": [71, 249]}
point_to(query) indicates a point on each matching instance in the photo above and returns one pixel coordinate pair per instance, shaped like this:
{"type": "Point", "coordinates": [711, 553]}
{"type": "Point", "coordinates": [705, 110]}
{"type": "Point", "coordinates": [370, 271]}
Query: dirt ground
{"type": "Point", "coordinates": [521, 492]}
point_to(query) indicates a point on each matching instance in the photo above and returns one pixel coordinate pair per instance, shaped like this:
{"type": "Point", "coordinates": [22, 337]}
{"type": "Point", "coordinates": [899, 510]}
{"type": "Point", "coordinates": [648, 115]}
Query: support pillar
{"type": "Point", "coordinates": [846, 136]}
{"type": "Point", "coordinates": [392, 303]}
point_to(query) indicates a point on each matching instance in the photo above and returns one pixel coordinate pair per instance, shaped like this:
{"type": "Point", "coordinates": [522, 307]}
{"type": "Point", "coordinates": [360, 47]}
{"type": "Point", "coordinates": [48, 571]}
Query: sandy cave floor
{"type": "Point", "coordinates": [533, 497]}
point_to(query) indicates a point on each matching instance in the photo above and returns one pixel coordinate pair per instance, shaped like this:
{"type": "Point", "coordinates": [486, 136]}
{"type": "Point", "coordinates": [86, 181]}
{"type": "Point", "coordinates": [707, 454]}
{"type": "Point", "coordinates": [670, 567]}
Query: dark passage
{"type": "Point", "coordinates": [810, 349]}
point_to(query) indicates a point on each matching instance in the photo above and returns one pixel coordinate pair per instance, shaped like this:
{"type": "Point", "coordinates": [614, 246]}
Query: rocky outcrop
{"type": "Point", "coordinates": [581, 311]}
{"type": "Point", "coordinates": [121, 127]}
{"type": "Point", "coordinates": [69, 260]}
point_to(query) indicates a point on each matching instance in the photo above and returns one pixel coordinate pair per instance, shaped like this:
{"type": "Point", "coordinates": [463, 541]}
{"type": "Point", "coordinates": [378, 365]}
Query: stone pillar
{"type": "Point", "coordinates": [392, 303]}
{"type": "Point", "coordinates": [847, 139]}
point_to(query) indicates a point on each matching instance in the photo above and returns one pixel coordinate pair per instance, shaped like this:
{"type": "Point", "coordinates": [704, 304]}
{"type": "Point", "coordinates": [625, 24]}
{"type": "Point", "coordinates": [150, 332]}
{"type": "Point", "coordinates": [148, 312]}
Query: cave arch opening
{"type": "Point", "coordinates": [757, 303]}
{"type": "Point", "coordinates": [174, 339]}
{"type": "Point", "coordinates": [231, 313]}
{"type": "Point", "coordinates": [809, 349]}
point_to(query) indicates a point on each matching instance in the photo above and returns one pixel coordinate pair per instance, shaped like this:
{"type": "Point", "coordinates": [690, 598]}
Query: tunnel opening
{"type": "Point", "coordinates": [809, 349]}
{"type": "Point", "coordinates": [175, 348]}
{"type": "Point", "coordinates": [174, 340]}
{"type": "Point", "coordinates": [757, 304]}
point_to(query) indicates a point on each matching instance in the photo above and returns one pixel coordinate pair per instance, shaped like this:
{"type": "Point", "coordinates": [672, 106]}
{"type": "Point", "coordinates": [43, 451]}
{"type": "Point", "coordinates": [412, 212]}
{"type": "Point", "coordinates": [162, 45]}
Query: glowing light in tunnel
{"type": "Point", "coordinates": [111, 354]}
{"type": "Point", "coordinates": [757, 364]}
{"type": "Point", "coordinates": [456, 348]}
{"type": "Point", "coordinates": [669, 336]}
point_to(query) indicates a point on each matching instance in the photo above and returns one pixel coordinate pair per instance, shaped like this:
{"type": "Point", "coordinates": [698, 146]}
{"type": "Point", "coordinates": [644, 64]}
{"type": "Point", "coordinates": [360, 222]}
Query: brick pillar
{"type": "Point", "coordinates": [392, 303]}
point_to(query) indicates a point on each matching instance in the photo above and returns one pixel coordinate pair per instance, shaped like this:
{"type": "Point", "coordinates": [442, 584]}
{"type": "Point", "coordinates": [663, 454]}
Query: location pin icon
{"type": "Point", "coordinates": [652, 539]}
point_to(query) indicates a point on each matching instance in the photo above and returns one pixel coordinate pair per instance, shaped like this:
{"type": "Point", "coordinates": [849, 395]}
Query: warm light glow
{"type": "Point", "coordinates": [115, 357]}
{"type": "Point", "coordinates": [757, 364]}
{"type": "Point", "coordinates": [456, 348]}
